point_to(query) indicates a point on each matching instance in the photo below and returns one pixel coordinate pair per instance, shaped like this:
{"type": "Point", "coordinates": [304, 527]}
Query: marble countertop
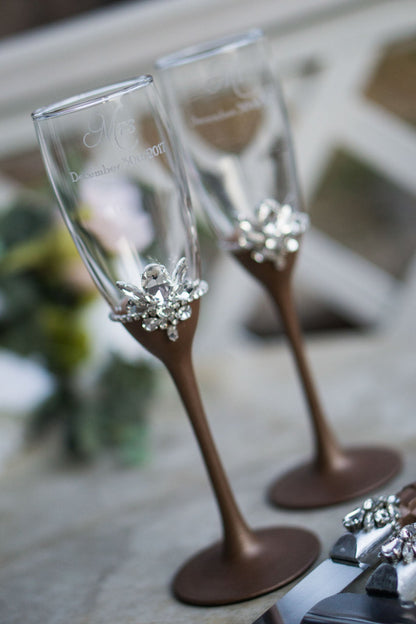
{"type": "Point", "coordinates": [100, 545]}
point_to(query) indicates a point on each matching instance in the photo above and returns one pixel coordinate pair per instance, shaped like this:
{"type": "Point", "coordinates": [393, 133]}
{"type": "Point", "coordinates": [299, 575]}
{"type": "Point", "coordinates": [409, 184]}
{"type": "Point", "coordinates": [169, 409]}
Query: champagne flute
{"type": "Point", "coordinates": [229, 110]}
{"type": "Point", "coordinates": [121, 188]}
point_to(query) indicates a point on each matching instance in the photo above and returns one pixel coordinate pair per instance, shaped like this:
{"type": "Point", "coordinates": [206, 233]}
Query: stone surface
{"type": "Point", "coordinates": [100, 545]}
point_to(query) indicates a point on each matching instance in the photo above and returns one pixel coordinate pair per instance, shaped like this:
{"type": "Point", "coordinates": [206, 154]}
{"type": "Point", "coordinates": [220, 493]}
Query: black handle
{"type": "Point", "coordinates": [360, 609]}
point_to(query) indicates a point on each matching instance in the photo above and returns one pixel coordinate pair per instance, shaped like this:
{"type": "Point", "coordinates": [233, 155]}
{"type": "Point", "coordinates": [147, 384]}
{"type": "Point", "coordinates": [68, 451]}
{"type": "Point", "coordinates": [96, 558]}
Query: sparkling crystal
{"type": "Point", "coordinates": [393, 510]}
{"type": "Point", "coordinates": [272, 229]}
{"type": "Point", "coordinates": [286, 229]}
{"type": "Point", "coordinates": [377, 512]}
{"type": "Point", "coordinates": [291, 245]}
{"type": "Point", "coordinates": [266, 211]}
{"type": "Point", "coordinates": [255, 238]}
{"type": "Point", "coordinates": [160, 296]}
{"type": "Point", "coordinates": [368, 504]}
{"type": "Point", "coordinates": [258, 257]}
{"type": "Point", "coordinates": [405, 534]}
{"type": "Point", "coordinates": [243, 242]}
{"type": "Point", "coordinates": [407, 552]}
{"type": "Point", "coordinates": [353, 521]}
{"type": "Point", "coordinates": [271, 243]}
{"type": "Point", "coordinates": [163, 301]}
{"type": "Point", "coordinates": [163, 311]}
{"type": "Point", "coordinates": [382, 518]}
{"type": "Point", "coordinates": [172, 333]}
{"type": "Point", "coordinates": [151, 323]}
{"type": "Point", "coordinates": [392, 551]}
{"type": "Point", "coordinates": [368, 522]}
{"type": "Point", "coordinates": [200, 289]}
{"type": "Point", "coordinates": [273, 232]}
{"type": "Point", "coordinates": [156, 281]}
{"type": "Point", "coordinates": [300, 223]}
{"type": "Point", "coordinates": [181, 294]}
{"type": "Point", "coordinates": [246, 225]}
{"type": "Point", "coordinates": [132, 309]}
{"type": "Point", "coordinates": [286, 212]}
{"type": "Point", "coordinates": [393, 500]}
{"type": "Point", "coordinates": [184, 313]}
{"type": "Point", "coordinates": [286, 220]}
{"type": "Point", "coordinates": [131, 290]}
{"type": "Point", "coordinates": [179, 272]}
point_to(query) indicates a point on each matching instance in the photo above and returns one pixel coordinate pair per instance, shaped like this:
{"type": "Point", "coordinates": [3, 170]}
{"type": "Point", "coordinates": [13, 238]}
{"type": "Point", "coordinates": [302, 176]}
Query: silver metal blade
{"type": "Point", "coordinates": [328, 578]}
{"type": "Point", "coordinates": [351, 555]}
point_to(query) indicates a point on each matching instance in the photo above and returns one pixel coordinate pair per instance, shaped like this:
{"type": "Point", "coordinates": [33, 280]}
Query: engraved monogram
{"type": "Point", "coordinates": [230, 93]}
{"type": "Point", "coordinates": [236, 80]}
{"type": "Point", "coordinates": [121, 132]}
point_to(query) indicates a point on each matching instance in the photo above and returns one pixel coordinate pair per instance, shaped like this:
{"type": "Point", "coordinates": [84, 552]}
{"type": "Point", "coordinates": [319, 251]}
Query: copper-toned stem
{"type": "Point", "coordinates": [177, 357]}
{"type": "Point", "coordinates": [245, 563]}
{"type": "Point", "coordinates": [329, 455]}
{"type": "Point", "coordinates": [238, 538]}
{"type": "Point", "coordinates": [335, 474]}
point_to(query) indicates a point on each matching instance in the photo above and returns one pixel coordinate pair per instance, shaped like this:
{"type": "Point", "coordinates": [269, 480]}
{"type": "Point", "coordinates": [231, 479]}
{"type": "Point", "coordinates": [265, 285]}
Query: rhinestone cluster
{"type": "Point", "coordinates": [374, 513]}
{"type": "Point", "coordinates": [273, 233]}
{"type": "Point", "coordinates": [162, 300]}
{"type": "Point", "coordinates": [401, 547]}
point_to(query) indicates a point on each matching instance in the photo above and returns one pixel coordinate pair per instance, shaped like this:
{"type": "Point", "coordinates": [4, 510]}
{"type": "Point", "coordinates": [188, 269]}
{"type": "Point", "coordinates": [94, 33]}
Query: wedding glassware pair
{"type": "Point", "coordinates": [118, 173]}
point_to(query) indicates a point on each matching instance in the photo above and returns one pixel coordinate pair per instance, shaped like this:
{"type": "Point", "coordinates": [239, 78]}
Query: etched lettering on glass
{"type": "Point", "coordinates": [121, 132]}
{"type": "Point", "coordinates": [225, 95]}
{"type": "Point", "coordinates": [126, 161]}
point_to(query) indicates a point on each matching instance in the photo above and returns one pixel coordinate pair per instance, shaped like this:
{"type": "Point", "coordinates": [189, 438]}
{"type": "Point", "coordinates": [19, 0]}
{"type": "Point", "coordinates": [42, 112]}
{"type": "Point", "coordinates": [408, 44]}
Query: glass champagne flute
{"type": "Point", "coordinates": [229, 111]}
{"type": "Point", "coordinates": [116, 173]}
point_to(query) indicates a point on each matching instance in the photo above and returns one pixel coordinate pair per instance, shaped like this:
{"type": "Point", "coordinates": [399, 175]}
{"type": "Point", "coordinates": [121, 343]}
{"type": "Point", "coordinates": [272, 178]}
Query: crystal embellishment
{"type": "Point", "coordinates": [273, 233]}
{"type": "Point", "coordinates": [161, 301]}
{"type": "Point", "coordinates": [374, 513]}
{"type": "Point", "coordinates": [401, 547]}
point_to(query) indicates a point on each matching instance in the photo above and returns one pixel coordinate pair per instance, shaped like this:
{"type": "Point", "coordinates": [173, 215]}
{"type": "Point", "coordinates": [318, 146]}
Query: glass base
{"type": "Point", "coordinates": [308, 487]}
{"type": "Point", "coordinates": [280, 555]}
